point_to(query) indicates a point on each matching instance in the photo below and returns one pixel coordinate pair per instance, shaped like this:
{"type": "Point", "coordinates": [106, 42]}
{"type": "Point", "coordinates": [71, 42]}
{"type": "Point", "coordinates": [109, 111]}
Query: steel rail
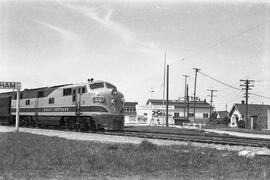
{"type": "Point", "coordinates": [213, 139]}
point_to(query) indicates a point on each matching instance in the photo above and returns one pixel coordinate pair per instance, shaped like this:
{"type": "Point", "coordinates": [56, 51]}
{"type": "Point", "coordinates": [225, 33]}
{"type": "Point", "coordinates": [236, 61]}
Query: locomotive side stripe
{"type": "Point", "coordinates": [63, 109]}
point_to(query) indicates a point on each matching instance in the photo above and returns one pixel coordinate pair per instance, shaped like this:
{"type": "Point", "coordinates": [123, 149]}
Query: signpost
{"type": "Point", "coordinates": [13, 85]}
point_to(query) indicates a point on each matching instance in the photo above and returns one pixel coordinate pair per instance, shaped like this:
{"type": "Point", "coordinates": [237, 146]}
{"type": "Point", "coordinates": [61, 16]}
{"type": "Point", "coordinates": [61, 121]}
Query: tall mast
{"type": "Point", "coordinates": [164, 79]}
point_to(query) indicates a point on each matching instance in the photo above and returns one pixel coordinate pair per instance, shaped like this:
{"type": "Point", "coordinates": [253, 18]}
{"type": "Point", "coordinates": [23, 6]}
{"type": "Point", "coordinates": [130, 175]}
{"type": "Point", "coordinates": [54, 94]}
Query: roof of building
{"type": "Point", "coordinates": [178, 104]}
{"type": "Point", "coordinates": [253, 109]}
{"type": "Point", "coordinates": [131, 103]}
{"type": "Point", "coordinates": [222, 114]}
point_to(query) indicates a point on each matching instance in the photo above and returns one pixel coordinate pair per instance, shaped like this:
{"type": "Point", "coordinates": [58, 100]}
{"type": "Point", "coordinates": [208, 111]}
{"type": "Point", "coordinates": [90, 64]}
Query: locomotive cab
{"type": "Point", "coordinates": [106, 95]}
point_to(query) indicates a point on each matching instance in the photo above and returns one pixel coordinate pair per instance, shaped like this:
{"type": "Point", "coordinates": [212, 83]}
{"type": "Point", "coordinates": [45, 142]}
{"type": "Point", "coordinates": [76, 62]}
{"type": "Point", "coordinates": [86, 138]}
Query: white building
{"type": "Point", "coordinates": [154, 114]}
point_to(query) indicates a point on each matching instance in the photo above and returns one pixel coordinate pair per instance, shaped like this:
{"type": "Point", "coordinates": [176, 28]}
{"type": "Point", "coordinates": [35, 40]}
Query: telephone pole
{"type": "Point", "coordinates": [246, 86]}
{"type": "Point", "coordinates": [185, 95]}
{"type": "Point", "coordinates": [167, 98]}
{"type": "Point", "coordinates": [195, 83]}
{"type": "Point", "coordinates": [187, 103]}
{"type": "Point", "coordinates": [211, 99]}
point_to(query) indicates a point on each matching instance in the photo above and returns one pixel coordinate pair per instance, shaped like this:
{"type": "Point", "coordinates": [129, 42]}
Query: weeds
{"type": "Point", "coordinates": [32, 156]}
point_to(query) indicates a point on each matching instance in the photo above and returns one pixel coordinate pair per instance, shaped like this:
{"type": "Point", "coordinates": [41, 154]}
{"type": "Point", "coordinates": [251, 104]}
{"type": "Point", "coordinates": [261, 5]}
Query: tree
{"type": "Point", "coordinates": [213, 116]}
{"type": "Point", "coordinates": [241, 124]}
{"type": "Point", "coordinates": [226, 120]}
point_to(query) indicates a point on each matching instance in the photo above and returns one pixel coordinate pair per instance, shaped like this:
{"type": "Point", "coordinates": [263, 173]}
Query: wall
{"type": "Point", "coordinates": [145, 114]}
{"type": "Point", "coordinates": [233, 121]}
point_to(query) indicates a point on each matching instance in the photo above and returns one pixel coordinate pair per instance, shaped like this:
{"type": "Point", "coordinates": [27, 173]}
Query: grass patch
{"type": "Point", "coordinates": [163, 129]}
{"type": "Point", "coordinates": [31, 156]}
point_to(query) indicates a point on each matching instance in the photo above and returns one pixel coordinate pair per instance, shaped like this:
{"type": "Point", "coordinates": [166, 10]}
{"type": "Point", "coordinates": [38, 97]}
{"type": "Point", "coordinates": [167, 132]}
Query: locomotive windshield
{"type": "Point", "coordinates": [97, 85]}
{"type": "Point", "coordinates": [110, 86]}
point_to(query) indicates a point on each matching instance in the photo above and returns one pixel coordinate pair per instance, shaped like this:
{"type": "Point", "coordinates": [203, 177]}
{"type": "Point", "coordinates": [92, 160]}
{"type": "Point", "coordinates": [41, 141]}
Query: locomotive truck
{"type": "Point", "coordinates": [94, 105]}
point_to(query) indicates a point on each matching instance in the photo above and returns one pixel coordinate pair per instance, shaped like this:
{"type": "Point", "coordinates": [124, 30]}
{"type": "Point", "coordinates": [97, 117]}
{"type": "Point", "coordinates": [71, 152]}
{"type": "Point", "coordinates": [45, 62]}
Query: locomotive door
{"type": "Point", "coordinates": [76, 99]}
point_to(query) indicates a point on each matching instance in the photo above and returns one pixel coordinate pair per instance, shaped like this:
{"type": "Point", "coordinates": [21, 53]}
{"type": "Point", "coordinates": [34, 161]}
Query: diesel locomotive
{"type": "Point", "coordinates": [94, 105]}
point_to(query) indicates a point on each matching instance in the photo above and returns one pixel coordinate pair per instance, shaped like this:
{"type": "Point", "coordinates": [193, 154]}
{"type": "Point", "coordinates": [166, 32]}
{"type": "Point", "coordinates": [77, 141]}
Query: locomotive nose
{"type": "Point", "coordinates": [117, 101]}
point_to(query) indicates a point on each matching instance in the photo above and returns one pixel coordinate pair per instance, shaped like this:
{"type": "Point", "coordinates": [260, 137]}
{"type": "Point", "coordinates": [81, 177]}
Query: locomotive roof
{"type": "Point", "coordinates": [83, 84]}
{"type": "Point", "coordinates": [33, 93]}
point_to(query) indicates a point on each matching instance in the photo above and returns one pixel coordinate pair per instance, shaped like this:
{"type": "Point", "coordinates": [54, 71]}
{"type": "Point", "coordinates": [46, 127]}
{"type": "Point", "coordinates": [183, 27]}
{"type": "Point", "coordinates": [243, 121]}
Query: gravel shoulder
{"type": "Point", "coordinates": [239, 134]}
{"type": "Point", "coordinates": [134, 140]}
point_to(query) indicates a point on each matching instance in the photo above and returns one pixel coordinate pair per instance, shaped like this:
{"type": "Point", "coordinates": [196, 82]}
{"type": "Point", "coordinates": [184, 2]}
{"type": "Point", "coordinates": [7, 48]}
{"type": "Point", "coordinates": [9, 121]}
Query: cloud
{"type": "Point", "coordinates": [104, 17]}
{"type": "Point", "coordinates": [105, 20]}
{"type": "Point", "coordinates": [66, 35]}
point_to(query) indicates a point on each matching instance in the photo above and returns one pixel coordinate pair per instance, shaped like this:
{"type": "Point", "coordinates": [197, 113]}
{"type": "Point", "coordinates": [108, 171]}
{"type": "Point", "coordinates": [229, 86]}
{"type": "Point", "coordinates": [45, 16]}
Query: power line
{"type": "Point", "coordinates": [228, 85]}
{"type": "Point", "coordinates": [254, 94]}
{"type": "Point", "coordinates": [220, 81]}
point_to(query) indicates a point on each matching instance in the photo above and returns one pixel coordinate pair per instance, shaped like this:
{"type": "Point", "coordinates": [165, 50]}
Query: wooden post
{"type": "Point", "coordinates": [167, 98]}
{"type": "Point", "coordinates": [17, 110]}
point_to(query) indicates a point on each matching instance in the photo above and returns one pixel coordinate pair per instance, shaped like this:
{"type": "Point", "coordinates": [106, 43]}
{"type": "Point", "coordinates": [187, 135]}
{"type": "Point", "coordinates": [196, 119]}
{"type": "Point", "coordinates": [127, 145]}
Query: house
{"type": "Point", "coordinates": [222, 114]}
{"type": "Point", "coordinates": [183, 111]}
{"type": "Point", "coordinates": [130, 112]}
{"type": "Point", "coordinates": [258, 116]}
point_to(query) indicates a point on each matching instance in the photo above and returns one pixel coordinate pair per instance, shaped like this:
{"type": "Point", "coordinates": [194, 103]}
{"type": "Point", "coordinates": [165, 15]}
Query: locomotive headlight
{"type": "Point", "coordinates": [123, 100]}
{"type": "Point", "coordinates": [98, 99]}
{"type": "Point", "coordinates": [114, 92]}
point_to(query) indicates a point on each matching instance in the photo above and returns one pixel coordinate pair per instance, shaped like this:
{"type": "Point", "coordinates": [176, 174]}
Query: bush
{"type": "Point", "coordinates": [148, 146]}
{"type": "Point", "coordinates": [213, 116]}
{"type": "Point", "coordinates": [241, 124]}
{"type": "Point", "coordinates": [226, 120]}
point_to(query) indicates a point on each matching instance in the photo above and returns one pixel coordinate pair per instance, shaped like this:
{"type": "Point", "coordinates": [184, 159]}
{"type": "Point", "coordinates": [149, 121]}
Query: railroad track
{"type": "Point", "coordinates": [210, 139]}
{"type": "Point", "coordinates": [199, 138]}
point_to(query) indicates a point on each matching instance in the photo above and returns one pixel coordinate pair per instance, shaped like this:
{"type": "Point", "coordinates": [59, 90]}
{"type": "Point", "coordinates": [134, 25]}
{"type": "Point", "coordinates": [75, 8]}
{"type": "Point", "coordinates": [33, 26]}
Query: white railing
{"type": "Point", "coordinates": [194, 125]}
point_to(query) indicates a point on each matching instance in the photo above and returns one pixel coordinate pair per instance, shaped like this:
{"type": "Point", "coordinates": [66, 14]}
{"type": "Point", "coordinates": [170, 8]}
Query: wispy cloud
{"type": "Point", "coordinates": [105, 20]}
{"type": "Point", "coordinates": [104, 17]}
{"type": "Point", "coordinates": [66, 35]}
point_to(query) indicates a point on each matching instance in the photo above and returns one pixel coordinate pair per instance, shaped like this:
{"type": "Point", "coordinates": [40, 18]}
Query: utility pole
{"type": "Point", "coordinates": [164, 78]}
{"type": "Point", "coordinates": [211, 99]}
{"type": "Point", "coordinates": [185, 95]}
{"type": "Point", "coordinates": [167, 98]}
{"type": "Point", "coordinates": [247, 86]}
{"type": "Point", "coordinates": [187, 103]}
{"type": "Point", "coordinates": [195, 83]}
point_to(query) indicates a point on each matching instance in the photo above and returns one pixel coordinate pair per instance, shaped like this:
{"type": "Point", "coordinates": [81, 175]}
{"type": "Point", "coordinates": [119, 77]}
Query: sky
{"type": "Point", "coordinates": [47, 43]}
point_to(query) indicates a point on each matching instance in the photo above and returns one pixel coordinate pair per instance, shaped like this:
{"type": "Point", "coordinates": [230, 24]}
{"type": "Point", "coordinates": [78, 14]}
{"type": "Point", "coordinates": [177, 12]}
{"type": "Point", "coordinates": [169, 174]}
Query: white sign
{"type": "Point", "coordinates": [10, 85]}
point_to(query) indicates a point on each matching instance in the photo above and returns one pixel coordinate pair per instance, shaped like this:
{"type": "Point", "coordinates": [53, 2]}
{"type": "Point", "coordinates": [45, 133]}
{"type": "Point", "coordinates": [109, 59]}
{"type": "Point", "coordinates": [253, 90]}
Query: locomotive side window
{"type": "Point", "coordinates": [96, 85]}
{"type": "Point", "coordinates": [67, 92]}
{"type": "Point", "coordinates": [110, 86]}
{"type": "Point", "coordinates": [51, 100]}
